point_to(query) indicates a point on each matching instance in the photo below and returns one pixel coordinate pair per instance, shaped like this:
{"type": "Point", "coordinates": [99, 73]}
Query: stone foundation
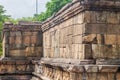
{"type": "Point", "coordinates": [22, 43]}
{"type": "Point", "coordinates": [53, 69]}
{"type": "Point", "coordinates": [16, 69]}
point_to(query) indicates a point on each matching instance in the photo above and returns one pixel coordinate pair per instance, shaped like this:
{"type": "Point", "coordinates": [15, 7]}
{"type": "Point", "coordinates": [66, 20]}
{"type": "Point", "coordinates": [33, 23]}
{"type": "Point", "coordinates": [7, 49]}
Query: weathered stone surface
{"type": "Point", "coordinates": [16, 67]}
{"type": "Point", "coordinates": [105, 51]}
{"type": "Point", "coordinates": [84, 29]}
{"type": "Point", "coordinates": [15, 53]}
{"type": "Point", "coordinates": [15, 77]}
{"type": "Point", "coordinates": [108, 68]}
{"type": "Point", "coordinates": [22, 36]}
{"type": "Point", "coordinates": [108, 62]}
{"type": "Point", "coordinates": [118, 76]}
{"type": "Point", "coordinates": [33, 51]}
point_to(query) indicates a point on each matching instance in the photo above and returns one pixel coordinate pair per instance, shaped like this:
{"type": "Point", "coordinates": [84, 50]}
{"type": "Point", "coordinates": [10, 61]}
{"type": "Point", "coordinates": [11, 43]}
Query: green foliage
{"type": "Point", "coordinates": [25, 19]}
{"type": "Point", "coordinates": [3, 18]}
{"type": "Point", "coordinates": [15, 21]}
{"type": "Point", "coordinates": [52, 7]}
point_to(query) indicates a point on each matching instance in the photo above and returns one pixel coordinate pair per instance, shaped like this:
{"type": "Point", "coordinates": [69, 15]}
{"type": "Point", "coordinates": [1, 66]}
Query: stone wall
{"type": "Point", "coordinates": [81, 42]}
{"type": "Point", "coordinates": [81, 72]}
{"type": "Point", "coordinates": [83, 30]}
{"type": "Point", "coordinates": [16, 69]}
{"type": "Point", "coordinates": [22, 40]}
{"type": "Point", "coordinates": [22, 43]}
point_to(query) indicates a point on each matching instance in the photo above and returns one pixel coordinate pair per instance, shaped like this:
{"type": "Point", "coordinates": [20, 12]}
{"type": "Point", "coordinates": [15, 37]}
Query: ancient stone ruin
{"type": "Point", "coordinates": [80, 42]}
{"type": "Point", "coordinates": [22, 43]}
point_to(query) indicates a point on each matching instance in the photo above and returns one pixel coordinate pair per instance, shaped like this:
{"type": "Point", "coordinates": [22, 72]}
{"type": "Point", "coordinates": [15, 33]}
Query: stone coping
{"type": "Point", "coordinates": [79, 6]}
{"type": "Point", "coordinates": [22, 26]}
{"type": "Point", "coordinates": [83, 68]}
{"type": "Point", "coordinates": [81, 62]}
{"type": "Point", "coordinates": [72, 65]}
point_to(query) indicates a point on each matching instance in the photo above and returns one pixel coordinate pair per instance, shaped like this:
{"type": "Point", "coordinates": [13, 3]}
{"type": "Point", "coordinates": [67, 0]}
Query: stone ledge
{"type": "Point", "coordinates": [22, 26]}
{"type": "Point", "coordinates": [83, 68]}
{"type": "Point", "coordinates": [14, 62]}
{"type": "Point", "coordinates": [79, 6]}
{"type": "Point", "coordinates": [11, 66]}
{"type": "Point", "coordinates": [108, 61]}
{"type": "Point", "coordinates": [71, 65]}
{"type": "Point", "coordinates": [15, 77]}
{"type": "Point", "coordinates": [67, 61]}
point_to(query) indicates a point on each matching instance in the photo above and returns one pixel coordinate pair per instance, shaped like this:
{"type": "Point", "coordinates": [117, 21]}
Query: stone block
{"type": "Point", "coordinates": [63, 36]}
{"type": "Point", "coordinates": [69, 30]}
{"type": "Point", "coordinates": [110, 39]}
{"type": "Point", "coordinates": [34, 33]}
{"type": "Point", "coordinates": [111, 76]}
{"type": "Point", "coordinates": [17, 46]}
{"type": "Point", "coordinates": [77, 39]}
{"type": "Point", "coordinates": [69, 40]}
{"type": "Point", "coordinates": [27, 33]}
{"type": "Point", "coordinates": [70, 22]}
{"type": "Point", "coordinates": [102, 76]}
{"type": "Point", "coordinates": [94, 28]}
{"type": "Point", "coordinates": [66, 76]}
{"type": "Point", "coordinates": [15, 33]}
{"type": "Point", "coordinates": [21, 68]}
{"type": "Point", "coordinates": [18, 40]}
{"type": "Point", "coordinates": [92, 17]}
{"type": "Point", "coordinates": [108, 69]}
{"type": "Point", "coordinates": [91, 69]}
{"type": "Point", "coordinates": [88, 17]}
{"type": "Point", "coordinates": [11, 40]}
{"type": "Point", "coordinates": [79, 19]}
{"type": "Point", "coordinates": [77, 29]}
{"type": "Point", "coordinates": [82, 51]}
{"type": "Point", "coordinates": [113, 29]}
{"type": "Point", "coordinates": [90, 38]}
{"type": "Point", "coordinates": [105, 51]}
{"type": "Point", "coordinates": [118, 39]}
{"type": "Point", "coordinates": [17, 53]}
{"type": "Point", "coordinates": [118, 76]}
{"type": "Point", "coordinates": [26, 40]}
{"type": "Point", "coordinates": [101, 29]}
{"type": "Point", "coordinates": [98, 17]}
{"type": "Point", "coordinates": [46, 52]}
{"type": "Point", "coordinates": [91, 76]}
{"type": "Point", "coordinates": [108, 61]}
{"type": "Point", "coordinates": [112, 18]}
{"type": "Point", "coordinates": [33, 39]}
{"type": "Point", "coordinates": [7, 69]}
{"type": "Point", "coordinates": [87, 51]}
{"type": "Point", "coordinates": [33, 51]}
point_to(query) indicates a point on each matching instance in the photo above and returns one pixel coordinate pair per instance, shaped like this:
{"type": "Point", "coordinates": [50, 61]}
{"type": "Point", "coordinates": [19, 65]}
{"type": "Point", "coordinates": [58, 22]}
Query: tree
{"type": "Point", "coordinates": [3, 17]}
{"type": "Point", "coordinates": [52, 7]}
